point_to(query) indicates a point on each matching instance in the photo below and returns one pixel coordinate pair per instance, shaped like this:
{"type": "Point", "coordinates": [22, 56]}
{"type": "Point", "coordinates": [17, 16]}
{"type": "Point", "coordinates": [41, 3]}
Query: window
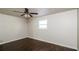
{"type": "Point", "coordinates": [43, 24]}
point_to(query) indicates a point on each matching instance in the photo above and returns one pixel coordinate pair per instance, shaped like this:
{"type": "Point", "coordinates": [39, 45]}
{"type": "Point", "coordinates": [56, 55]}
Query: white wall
{"type": "Point", "coordinates": [78, 28]}
{"type": "Point", "coordinates": [62, 29]}
{"type": "Point", "coordinates": [12, 28]}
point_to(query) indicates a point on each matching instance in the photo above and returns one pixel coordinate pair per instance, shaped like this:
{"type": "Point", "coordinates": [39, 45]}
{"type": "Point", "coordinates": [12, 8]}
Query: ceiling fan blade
{"type": "Point", "coordinates": [34, 13]}
{"type": "Point", "coordinates": [30, 15]}
{"type": "Point", "coordinates": [26, 10]}
{"type": "Point", "coordinates": [22, 14]}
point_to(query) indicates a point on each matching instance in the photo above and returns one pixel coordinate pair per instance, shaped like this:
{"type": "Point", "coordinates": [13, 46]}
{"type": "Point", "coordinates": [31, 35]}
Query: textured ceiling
{"type": "Point", "coordinates": [40, 11]}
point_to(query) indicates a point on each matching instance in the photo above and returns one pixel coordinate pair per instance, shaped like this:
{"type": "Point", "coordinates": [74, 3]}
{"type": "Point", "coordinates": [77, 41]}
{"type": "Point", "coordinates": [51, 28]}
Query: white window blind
{"type": "Point", "coordinates": [43, 24]}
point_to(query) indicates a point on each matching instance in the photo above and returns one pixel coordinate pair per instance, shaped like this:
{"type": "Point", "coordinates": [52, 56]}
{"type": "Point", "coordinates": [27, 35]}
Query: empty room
{"type": "Point", "coordinates": [39, 29]}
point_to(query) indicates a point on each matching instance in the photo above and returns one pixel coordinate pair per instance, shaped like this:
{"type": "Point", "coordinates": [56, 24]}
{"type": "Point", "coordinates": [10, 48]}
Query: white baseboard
{"type": "Point", "coordinates": [53, 42]}
{"type": "Point", "coordinates": [11, 40]}
{"type": "Point", "coordinates": [38, 39]}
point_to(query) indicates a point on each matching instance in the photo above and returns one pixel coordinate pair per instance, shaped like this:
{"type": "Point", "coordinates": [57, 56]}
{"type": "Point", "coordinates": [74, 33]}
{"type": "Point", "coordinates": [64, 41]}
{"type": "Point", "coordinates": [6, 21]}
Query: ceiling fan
{"type": "Point", "coordinates": [26, 12]}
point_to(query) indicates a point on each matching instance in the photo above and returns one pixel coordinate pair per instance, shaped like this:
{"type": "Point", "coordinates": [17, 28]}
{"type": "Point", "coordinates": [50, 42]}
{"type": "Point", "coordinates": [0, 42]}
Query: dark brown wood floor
{"type": "Point", "coordinates": [28, 44]}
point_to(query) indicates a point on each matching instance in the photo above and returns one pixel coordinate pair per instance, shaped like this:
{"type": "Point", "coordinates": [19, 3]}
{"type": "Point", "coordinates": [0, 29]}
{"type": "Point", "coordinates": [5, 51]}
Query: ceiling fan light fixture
{"type": "Point", "coordinates": [26, 16]}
